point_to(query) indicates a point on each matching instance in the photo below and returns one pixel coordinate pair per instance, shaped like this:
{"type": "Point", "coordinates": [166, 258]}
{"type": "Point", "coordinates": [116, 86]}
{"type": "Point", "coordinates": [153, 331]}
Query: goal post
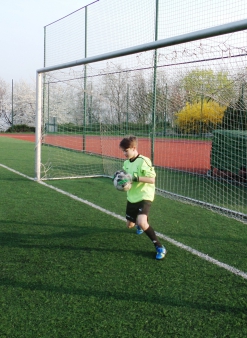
{"type": "Point", "coordinates": [38, 132]}
{"type": "Point", "coordinates": [81, 116]}
{"type": "Point", "coordinates": [202, 34]}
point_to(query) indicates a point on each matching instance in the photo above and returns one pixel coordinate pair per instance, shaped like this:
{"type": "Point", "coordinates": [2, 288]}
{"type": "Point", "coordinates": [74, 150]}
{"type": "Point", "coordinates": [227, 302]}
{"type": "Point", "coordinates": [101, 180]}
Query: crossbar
{"type": "Point", "coordinates": [232, 27]}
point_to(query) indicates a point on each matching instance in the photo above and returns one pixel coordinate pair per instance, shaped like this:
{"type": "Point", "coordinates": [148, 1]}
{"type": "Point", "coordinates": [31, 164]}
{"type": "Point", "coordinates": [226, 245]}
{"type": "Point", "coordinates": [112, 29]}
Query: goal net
{"type": "Point", "coordinates": [186, 103]}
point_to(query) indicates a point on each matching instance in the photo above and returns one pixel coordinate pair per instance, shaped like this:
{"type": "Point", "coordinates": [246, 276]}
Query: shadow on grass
{"type": "Point", "coordinates": [97, 240]}
{"type": "Point", "coordinates": [23, 179]}
{"type": "Point", "coordinates": [92, 226]}
{"type": "Point", "coordinates": [97, 236]}
{"type": "Point", "coordinates": [142, 296]}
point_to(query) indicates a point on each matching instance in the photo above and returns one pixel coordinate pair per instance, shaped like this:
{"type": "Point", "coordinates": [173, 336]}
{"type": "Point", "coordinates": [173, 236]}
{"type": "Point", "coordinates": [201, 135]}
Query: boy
{"type": "Point", "coordinates": [141, 194]}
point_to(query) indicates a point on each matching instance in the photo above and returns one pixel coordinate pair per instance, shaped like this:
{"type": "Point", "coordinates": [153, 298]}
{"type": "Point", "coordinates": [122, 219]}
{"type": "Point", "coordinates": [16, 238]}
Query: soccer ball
{"type": "Point", "coordinates": [122, 181]}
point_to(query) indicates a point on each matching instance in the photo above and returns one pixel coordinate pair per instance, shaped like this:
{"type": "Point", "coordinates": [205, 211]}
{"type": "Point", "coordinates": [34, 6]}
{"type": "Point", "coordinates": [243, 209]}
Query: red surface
{"type": "Point", "coordinates": [189, 155]}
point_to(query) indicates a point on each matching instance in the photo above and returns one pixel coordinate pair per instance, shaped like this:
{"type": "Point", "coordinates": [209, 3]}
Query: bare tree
{"type": "Point", "coordinates": [115, 91]}
{"type": "Point", "coordinates": [4, 105]}
{"type": "Point", "coordinates": [24, 103]}
{"type": "Point", "coordinates": [141, 98]}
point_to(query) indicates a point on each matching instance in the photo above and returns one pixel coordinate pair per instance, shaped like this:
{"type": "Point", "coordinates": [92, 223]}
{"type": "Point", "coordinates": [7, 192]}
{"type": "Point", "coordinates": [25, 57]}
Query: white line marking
{"type": "Point", "coordinates": [204, 256]}
{"type": "Point", "coordinates": [83, 201]}
{"type": "Point", "coordinates": [166, 238]}
{"type": "Point", "coordinates": [16, 172]}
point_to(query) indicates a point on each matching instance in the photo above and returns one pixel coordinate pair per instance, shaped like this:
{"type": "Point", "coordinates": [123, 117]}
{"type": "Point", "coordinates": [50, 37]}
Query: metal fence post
{"type": "Point", "coordinates": [85, 86]}
{"type": "Point", "coordinates": [154, 84]}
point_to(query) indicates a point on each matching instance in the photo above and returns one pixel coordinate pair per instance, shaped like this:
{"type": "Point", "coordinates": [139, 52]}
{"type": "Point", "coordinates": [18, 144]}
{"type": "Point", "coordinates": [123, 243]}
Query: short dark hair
{"type": "Point", "coordinates": [128, 142]}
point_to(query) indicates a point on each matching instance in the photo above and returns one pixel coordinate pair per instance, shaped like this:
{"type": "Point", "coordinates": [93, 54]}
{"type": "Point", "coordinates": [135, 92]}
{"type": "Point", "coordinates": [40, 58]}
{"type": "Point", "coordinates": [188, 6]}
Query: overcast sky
{"type": "Point", "coordinates": [22, 34]}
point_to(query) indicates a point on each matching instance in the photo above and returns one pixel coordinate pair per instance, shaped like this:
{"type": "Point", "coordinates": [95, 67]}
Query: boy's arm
{"type": "Point", "coordinates": [145, 179]}
{"type": "Point", "coordinates": [146, 174]}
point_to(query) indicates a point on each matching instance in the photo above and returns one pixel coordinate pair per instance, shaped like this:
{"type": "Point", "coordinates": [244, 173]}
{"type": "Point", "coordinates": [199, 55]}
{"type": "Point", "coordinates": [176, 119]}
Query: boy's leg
{"type": "Point", "coordinates": [142, 221]}
{"type": "Point", "coordinates": [130, 224]}
{"type": "Point", "coordinates": [131, 214]}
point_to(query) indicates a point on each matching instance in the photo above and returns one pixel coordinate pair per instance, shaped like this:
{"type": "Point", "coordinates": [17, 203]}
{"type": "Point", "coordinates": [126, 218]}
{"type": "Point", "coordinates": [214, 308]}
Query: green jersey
{"type": "Point", "coordinates": [142, 167]}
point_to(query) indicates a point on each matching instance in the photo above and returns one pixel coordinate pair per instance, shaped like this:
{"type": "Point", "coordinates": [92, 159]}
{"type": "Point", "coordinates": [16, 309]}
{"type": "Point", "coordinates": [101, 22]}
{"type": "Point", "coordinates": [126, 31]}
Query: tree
{"type": "Point", "coordinates": [114, 92]}
{"type": "Point", "coordinates": [200, 117]}
{"type": "Point", "coordinates": [4, 105]}
{"type": "Point", "coordinates": [176, 101]}
{"type": "Point", "coordinates": [162, 102]}
{"type": "Point", "coordinates": [140, 99]}
{"type": "Point", "coordinates": [24, 103]}
{"type": "Point", "coordinates": [211, 85]}
{"type": "Point", "coordinates": [24, 99]}
{"type": "Point", "coordinates": [235, 117]}
{"type": "Point", "coordinates": [64, 102]}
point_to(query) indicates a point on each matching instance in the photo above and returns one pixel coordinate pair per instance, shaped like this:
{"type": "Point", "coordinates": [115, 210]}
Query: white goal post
{"type": "Point", "coordinates": [97, 142]}
{"type": "Point", "coordinates": [202, 34]}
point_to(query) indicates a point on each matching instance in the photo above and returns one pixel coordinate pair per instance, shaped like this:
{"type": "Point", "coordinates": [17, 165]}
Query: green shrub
{"type": "Point", "coordinates": [20, 128]}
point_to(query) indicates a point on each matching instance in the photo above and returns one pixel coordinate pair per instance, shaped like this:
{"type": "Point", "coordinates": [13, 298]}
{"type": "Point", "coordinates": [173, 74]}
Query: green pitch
{"type": "Point", "coordinates": [69, 270]}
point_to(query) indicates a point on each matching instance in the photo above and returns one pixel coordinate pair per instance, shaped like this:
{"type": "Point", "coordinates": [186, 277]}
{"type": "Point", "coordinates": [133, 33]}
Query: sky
{"type": "Point", "coordinates": [22, 27]}
{"type": "Point", "coordinates": [22, 34]}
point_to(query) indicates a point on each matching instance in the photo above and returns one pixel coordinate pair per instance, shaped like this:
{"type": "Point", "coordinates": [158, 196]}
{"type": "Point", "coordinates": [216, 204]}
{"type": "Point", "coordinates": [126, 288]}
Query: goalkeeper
{"type": "Point", "coordinates": [141, 194]}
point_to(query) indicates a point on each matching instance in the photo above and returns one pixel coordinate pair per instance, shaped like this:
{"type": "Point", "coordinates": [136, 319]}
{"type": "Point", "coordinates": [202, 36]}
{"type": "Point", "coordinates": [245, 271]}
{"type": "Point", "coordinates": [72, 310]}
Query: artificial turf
{"type": "Point", "coordinates": [70, 270]}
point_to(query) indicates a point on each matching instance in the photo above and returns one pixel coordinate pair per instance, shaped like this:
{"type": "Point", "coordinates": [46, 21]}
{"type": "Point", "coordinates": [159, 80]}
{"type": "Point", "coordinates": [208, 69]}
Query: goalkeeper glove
{"type": "Point", "coordinates": [115, 174]}
{"type": "Point", "coordinates": [135, 178]}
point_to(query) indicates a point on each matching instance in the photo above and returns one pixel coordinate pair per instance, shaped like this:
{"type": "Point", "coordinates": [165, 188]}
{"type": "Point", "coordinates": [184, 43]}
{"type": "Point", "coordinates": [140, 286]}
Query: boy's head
{"type": "Point", "coordinates": [128, 142]}
{"type": "Point", "coordinates": [129, 147]}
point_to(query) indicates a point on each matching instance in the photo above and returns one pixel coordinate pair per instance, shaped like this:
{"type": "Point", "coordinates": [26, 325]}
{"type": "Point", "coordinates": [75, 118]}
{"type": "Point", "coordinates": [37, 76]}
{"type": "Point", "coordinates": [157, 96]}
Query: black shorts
{"type": "Point", "coordinates": [135, 209]}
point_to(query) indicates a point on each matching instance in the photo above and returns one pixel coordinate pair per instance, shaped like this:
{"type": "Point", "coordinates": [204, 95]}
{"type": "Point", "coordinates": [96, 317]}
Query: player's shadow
{"type": "Point", "coordinates": [78, 238]}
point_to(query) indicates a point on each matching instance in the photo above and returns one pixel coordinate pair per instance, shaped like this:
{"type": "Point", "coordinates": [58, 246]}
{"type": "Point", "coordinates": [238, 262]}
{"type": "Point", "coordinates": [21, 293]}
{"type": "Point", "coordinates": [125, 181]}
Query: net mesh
{"type": "Point", "coordinates": [185, 103]}
{"type": "Point", "coordinates": [114, 25]}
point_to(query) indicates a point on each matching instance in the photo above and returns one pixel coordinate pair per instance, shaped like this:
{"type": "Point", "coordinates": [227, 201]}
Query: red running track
{"type": "Point", "coordinates": [188, 155]}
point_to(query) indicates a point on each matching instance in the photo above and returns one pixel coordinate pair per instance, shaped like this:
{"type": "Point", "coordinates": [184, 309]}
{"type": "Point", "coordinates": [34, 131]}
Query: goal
{"type": "Point", "coordinates": [184, 97]}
